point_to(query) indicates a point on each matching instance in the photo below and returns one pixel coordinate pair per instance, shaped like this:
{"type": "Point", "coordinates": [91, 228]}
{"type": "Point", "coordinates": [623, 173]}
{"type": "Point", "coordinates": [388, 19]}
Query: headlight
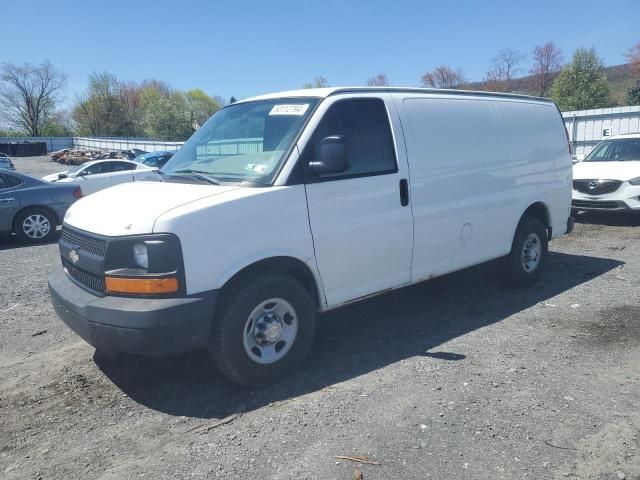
{"type": "Point", "coordinates": [144, 265]}
{"type": "Point", "coordinates": [635, 181]}
{"type": "Point", "coordinates": [140, 255]}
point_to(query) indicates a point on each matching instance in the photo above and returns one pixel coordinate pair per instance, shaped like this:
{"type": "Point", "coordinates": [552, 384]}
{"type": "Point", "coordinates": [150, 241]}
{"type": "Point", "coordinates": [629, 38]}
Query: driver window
{"type": "Point", "coordinates": [364, 124]}
{"type": "Point", "coordinates": [7, 181]}
{"type": "Point", "coordinates": [94, 169]}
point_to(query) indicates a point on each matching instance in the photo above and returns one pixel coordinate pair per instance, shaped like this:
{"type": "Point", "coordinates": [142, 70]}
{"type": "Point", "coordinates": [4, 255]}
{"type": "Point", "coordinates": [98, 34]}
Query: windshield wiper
{"type": "Point", "coordinates": [200, 175]}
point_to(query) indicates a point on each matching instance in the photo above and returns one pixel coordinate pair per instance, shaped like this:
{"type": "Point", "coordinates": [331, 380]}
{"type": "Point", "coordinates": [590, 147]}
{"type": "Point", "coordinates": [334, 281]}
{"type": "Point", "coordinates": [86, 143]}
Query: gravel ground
{"type": "Point", "coordinates": [458, 378]}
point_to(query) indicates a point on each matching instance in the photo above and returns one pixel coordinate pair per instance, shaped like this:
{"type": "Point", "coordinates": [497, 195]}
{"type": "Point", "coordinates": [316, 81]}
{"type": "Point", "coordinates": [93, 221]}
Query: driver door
{"type": "Point", "coordinates": [360, 219]}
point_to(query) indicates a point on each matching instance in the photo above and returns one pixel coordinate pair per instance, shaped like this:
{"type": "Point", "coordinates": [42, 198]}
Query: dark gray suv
{"type": "Point", "coordinates": [32, 208]}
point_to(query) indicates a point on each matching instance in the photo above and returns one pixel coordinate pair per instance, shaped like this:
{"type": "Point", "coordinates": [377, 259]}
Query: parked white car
{"type": "Point", "coordinates": [99, 174]}
{"type": "Point", "coordinates": [608, 179]}
{"type": "Point", "coordinates": [284, 205]}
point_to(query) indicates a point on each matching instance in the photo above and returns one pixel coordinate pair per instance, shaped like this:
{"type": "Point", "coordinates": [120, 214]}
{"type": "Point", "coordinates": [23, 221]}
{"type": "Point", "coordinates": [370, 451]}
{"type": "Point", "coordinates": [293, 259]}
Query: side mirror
{"type": "Point", "coordinates": [580, 157]}
{"type": "Point", "coordinates": [83, 173]}
{"type": "Point", "coordinates": [61, 176]}
{"type": "Point", "coordinates": [333, 156]}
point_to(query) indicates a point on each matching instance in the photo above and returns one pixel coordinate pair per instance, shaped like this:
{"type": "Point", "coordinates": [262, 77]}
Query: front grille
{"type": "Point", "coordinates": [80, 241]}
{"type": "Point", "coordinates": [88, 279]}
{"type": "Point", "coordinates": [595, 204]}
{"type": "Point", "coordinates": [596, 187]}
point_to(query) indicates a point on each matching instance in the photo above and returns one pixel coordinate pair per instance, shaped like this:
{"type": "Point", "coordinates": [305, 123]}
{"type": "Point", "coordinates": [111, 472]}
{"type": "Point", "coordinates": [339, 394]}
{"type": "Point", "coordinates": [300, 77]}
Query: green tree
{"type": "Point", "coordinates": [166, 114]}
{"type": "Point", "coordinates": [633, 94]}
{"type": "Point", "coordinates": [58, 125]}
{"type": "Point", "coordinates": [100, 111]}
{"type": "Point", "coordinates": [201, 106]}
{"type": "Point", "coordinates": [582, 84]}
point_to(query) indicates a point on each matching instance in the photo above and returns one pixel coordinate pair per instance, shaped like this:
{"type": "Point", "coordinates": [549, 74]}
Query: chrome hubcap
{"type": "Point", "coordinates": [36, 226]}
{"type": "Point", "coordinates": [270, 331]}
{"type": "Point", "coordinates": [531, 252]}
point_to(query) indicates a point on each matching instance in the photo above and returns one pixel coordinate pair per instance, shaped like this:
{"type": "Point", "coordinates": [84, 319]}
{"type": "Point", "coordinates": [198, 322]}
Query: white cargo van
{"type": "Point", "coordinates": [288, 204]}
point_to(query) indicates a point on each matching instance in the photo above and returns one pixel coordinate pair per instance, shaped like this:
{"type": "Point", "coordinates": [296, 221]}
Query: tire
{"type": "Point", "coordinates": [35, 225]}
{"type": "Point", "coordinates": [263, 331]}
{"type": "Point", "coordinates": [528, 255]}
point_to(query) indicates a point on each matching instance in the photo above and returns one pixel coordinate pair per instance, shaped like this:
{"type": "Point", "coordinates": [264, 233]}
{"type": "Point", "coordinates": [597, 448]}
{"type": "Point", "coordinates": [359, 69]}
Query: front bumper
{"type": "Point", "coordinates": [601, 205]}
{"type": "Point", "coordinates": [626, 198]}
{"type": "Point", "coordinates": [133, 325]}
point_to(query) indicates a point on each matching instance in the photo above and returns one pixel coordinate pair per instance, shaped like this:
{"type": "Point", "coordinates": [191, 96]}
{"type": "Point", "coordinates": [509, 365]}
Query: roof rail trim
{"type": "Point", "coordinates": [476, 93]}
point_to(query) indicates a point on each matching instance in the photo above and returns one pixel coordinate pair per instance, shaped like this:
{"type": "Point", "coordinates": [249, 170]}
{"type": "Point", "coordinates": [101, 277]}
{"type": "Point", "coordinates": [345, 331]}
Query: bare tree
{"type": "Point", "coordinates": [633, 57]}
{"type": "Point", "coordinates": [380, 80]}
{"type": "Point", "coordinates": [28, 94]}
{"type": "Point", "coordinates": [547, 62]}
{"type": "Point", "coordinates": [504, 67]}
{"type": "Point", "coordinates": [494, 80]}
{"type": "Point", "coordinates": [444, 76]}
{"type": "Point", "coordinates": [318, 82]}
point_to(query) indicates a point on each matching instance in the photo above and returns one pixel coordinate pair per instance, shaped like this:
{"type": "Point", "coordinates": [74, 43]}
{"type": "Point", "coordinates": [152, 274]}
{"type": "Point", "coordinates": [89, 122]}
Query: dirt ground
{"type": "Point", "coordinates": [457, 378]}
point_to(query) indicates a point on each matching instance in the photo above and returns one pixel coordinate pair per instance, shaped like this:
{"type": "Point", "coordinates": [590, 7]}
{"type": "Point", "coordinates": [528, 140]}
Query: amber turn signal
{"type": "Point", "coordinates": [147, 286]}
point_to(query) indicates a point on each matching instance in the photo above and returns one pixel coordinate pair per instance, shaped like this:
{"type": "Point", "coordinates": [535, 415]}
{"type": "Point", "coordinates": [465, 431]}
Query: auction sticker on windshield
{"type": "Point", "coordinates": [289, 109]}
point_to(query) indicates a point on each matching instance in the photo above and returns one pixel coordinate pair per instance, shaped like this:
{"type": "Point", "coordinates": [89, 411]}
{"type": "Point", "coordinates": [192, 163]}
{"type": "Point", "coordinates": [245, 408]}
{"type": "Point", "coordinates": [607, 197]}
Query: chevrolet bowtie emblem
{"type": "Point", "coordinates": [74, 257]}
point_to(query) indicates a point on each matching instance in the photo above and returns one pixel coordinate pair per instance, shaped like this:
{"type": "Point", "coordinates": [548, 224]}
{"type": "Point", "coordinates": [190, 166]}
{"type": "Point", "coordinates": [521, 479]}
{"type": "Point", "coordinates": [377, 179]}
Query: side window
{"type": "Point", "coordinates": [95, 169]}
{"type": "Point", "coordinates": [122, 166]}
{"type": "Point", "coordinates": [7, 181]}
{"type": "Point", "coordinates": [365, 126]}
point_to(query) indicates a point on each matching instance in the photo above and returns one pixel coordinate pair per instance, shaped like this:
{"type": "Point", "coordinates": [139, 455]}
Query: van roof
{"type": "Point", "coordinates": [326, 92]}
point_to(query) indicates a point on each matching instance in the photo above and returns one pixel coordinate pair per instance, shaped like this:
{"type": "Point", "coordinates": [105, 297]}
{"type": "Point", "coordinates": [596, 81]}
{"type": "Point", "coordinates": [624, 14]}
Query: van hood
{"type": "Point", "coordinates": [606, 170]}
{"type": "Point", "coordinates": [133, 208]}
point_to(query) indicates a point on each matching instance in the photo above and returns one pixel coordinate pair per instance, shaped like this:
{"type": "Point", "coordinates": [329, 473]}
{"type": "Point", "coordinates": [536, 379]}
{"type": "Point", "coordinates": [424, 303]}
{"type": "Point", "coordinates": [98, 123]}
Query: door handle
{"type": "Point", "coordinates": [6, 200]}
{"type": "Point", "coordinates": [404, 192]}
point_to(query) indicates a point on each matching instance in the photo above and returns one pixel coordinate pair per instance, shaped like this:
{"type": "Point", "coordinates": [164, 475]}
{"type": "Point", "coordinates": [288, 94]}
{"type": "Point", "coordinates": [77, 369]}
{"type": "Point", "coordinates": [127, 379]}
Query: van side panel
{"type": "Point", "coordinates": [536, 142]}
{"type": "Point", "coordinates": [456, 163]}
{"type": "Point", "coordinates": [468, 191]}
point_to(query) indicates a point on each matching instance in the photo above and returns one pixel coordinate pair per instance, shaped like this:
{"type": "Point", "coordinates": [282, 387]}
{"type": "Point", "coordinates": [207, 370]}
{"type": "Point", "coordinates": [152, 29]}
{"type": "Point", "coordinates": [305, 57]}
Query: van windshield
{"type": "Point", "coordinates": [620, 150]}
{"type": "Point", "coordinates": [244, 142]}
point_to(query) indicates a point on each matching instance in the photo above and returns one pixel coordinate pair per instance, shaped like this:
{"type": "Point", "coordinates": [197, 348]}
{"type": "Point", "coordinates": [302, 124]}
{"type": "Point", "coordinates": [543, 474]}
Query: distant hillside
{"type": "Point", "coordinates": [619, 76]}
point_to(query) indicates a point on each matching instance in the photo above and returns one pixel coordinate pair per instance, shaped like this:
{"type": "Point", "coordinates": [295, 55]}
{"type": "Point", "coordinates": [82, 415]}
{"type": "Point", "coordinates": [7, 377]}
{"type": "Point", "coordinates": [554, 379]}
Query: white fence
{"type": "Point", "coordinates": [123, 144]}
{"type": "Point", "coordinates": [58, 143]}
{"type": "Point", "coordinates": [588, 127]}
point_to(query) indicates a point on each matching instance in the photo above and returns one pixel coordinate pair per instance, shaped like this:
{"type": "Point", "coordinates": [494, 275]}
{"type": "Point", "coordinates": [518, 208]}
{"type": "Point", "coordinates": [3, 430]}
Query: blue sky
{"type": "Point", "coordinates": [243, 48]}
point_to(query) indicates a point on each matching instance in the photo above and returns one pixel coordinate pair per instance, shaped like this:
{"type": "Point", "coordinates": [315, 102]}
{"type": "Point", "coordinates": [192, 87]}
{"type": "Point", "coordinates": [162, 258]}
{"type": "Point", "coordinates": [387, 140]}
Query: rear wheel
{"type": "Point", "coordinates": [263, 331]}
{"type": "Point", "coordinates": [527, 258]}
{"type": "Point", "coordinates": [35, 225]}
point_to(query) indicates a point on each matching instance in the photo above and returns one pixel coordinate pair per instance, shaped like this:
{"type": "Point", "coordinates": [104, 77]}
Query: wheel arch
{"type": "Point", "coordinates": [538, 210]}
{"type": "Point", "coordinates": [14, 226]}
{"type": "Point", "coordinates": [278, 264]}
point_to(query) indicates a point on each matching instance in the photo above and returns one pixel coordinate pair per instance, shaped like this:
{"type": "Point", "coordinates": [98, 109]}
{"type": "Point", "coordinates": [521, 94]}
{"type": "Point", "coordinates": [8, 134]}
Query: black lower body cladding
{"type": "Point", "coordinates": [133, 325]}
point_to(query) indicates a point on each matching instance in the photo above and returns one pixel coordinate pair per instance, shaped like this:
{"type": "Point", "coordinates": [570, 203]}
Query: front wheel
{"type": "Point", "coordinates": [525, 262]}
{"type": "Point", "coordinates": [35, 225]}
{"type": "Point", "coordinates": [263, 331]}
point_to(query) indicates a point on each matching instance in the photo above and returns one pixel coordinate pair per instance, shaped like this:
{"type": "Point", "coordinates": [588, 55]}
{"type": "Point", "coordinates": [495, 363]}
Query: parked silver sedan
{"type": "Point", "coordinates": [32, 208]}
